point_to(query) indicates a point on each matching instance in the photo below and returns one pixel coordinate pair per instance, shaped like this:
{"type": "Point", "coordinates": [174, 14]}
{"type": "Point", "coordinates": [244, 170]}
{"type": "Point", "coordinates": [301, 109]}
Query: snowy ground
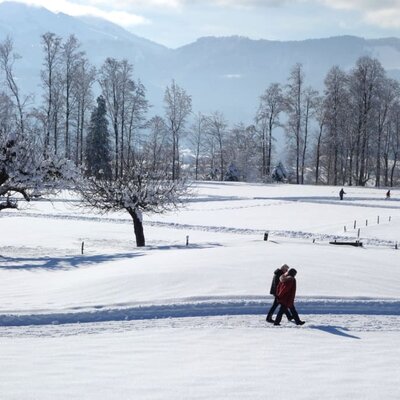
{"type": "Point", "coordinates": [171, 321]}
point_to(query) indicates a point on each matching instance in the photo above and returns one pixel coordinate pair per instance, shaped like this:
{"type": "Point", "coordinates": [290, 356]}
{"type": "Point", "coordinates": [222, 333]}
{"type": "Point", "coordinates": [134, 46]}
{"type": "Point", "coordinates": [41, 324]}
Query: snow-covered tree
{"type": "Point", "coordinates": [137, 190]}
{"type": "Point", "coordinates": [279, 173]}
{"type": "Point", "coordinates": [26, 174]}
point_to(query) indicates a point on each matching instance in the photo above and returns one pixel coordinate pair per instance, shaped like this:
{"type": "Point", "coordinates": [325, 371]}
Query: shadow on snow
{"type": "Point", "coordinates": [334, 330]}
{"type": "Point", "coordinates": [60, 263]}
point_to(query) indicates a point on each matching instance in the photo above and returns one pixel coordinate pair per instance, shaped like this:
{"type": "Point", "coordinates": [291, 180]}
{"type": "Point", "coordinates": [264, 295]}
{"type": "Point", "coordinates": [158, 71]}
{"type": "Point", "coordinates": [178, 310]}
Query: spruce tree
{"type": "Point", "coordinates": [98, 159]}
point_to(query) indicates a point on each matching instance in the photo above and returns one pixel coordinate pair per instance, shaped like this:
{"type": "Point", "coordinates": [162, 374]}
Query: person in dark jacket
{"type": "Point", "coordinates": [275, 281]}
{"type": "Point", "coordinates": [341, 193]}
{"type": "Point", "coordinates": [286, 292]}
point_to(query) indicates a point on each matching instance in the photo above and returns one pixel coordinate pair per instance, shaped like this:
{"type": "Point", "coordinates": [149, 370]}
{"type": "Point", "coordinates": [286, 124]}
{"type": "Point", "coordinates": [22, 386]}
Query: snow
{"type": "Point", "coordinates": [170, 321]}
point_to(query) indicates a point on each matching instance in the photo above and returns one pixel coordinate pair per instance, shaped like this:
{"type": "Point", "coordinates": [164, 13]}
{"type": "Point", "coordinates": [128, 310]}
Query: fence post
{"type": "Point", "coordinates": [355, 224]}
{"type": "Point", "coordinates": [366, 222]}
{"type": "Point", "coordinates": [378, 220]}
{"type": "Point", "coordinates": [345, 229]}
{"type": "Point", "coordinates": [266, 236]}
{"type": "Point", "coordinates": [187, 240]}
{"type": "Point", "coordinates": [358, 233]}
{"type": "Point", "coordinates": [82, 247]}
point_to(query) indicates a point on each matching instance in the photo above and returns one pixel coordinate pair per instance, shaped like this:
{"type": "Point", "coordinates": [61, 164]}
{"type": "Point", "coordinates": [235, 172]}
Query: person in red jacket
{"type": "Point", "coordinates": [274, 285]}
{"type": "Point", "coordinates": [286, 292]}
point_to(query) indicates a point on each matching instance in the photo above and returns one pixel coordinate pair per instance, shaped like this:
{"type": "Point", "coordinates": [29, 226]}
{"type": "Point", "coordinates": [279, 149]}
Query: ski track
{"type": "Point", "coordinates": [208, 228]}
{"type": "Point", "coordinates": [202, 307]}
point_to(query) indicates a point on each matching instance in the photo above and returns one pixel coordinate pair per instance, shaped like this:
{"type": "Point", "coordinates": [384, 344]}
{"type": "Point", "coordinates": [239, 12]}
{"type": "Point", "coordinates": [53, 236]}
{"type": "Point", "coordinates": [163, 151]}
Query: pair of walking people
{"type": "Point", "coordinates": [283, 288]}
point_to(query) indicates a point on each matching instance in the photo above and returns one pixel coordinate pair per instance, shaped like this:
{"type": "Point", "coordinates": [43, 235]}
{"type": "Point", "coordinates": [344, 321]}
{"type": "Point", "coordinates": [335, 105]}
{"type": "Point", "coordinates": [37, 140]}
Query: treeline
{"type": "Point", "coordinates": [349, 134]}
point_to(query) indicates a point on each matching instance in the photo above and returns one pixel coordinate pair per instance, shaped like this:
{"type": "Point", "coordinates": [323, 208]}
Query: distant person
{"type": "Point", "coordinates": [286, 293]}
{"type": "Point", "coordinates": [388, 194]}
{"type": "Point", "coordinates": [341, 193]}
{"type": "Point", "coordinates": [275, 281]}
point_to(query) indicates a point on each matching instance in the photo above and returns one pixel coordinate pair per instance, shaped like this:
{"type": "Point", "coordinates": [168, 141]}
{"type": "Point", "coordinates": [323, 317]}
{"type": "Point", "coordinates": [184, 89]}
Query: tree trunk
{"type": "Point", "coordinates": [138, 227]}
{"type": "Point", "coordinates": [321, 127]}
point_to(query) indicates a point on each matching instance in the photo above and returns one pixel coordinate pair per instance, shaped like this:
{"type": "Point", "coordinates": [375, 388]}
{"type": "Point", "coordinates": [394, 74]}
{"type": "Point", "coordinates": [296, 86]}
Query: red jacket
{"type": "Point", "coordinates": [286, 290]}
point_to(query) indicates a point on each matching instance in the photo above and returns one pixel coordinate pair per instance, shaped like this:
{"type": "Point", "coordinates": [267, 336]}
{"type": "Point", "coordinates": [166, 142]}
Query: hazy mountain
{"type": "Point", "coordinates": [99, 38]}
{"type": "Point", "coordinates": [226, 74]}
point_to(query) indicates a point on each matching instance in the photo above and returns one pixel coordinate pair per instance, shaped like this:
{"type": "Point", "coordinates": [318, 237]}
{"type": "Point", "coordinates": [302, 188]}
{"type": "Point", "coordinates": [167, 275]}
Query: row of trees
{"type": "Point", "coordinates": [355, 135]}
{"type": "Point", "coordinates": [349, 134]}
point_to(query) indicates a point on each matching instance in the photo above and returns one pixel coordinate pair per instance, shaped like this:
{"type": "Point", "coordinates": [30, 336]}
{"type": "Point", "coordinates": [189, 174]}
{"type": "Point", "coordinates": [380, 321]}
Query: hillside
{"type": "Point", "coordinates": [173, 321]}
{"type": "Point", "coordinates": [225, 73]}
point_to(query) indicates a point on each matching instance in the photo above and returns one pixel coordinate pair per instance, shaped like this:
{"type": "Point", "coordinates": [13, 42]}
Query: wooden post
{"type": "Point", "coordinates": [355, 224]}
{"type": "Point", "coordinates": [187, 240]}
{"type": "Point", "coordinates": [395, 246]}
{"type": "Point", "coordinates": [378, 219]}
{"type": "Point", "coordinates": [345, 229]}
{"type": "Point", "coordinates": [366, 222]}
{"type": "Point", "coordinates": [82, 247]}
{"type": "Point", "coordinates": [358, 233]}
{"type": "Point", "coordinates": [266, 236]}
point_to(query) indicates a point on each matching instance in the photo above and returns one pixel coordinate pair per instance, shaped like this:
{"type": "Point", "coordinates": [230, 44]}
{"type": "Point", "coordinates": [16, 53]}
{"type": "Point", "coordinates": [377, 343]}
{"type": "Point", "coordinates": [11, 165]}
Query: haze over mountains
{"type": "Point", "coordinates": [226, 74]}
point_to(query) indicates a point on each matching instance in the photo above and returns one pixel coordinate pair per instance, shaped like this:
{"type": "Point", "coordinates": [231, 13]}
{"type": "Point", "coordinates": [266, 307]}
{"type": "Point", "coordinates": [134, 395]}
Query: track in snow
{"type": "Point", "coordinates": [203, 308]}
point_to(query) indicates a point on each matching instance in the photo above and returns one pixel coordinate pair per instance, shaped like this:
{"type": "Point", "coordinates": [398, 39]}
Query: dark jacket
{"type": "Point", "coordinates": [286, 291]}
{"type": "Point", "coordinates": [275, 280]}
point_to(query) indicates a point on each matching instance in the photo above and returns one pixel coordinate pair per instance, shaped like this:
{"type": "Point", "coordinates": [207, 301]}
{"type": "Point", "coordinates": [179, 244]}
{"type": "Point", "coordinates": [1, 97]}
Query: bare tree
{"type": "Point", "coordinates": [310, 102]}
{"type": "Point", "coordinates": [216, 127]}
{"type": "Point", "coordinates": [178, 106]}
{"type": "Point", "coordinates": [157, 144]}
{"type": "Point", "coordinates": [7, 60]}
{"type": "Point", "coordinates": [83, 98]}
{"type": "Point", "coordinates": [365, 81]}
{"type": "Point", "coordinates": [294, 109]}
{"type": "Point", "coordinates": [7, 120]}
{"type": "Point", "coordinates": [336, 104]}
{"type": "Point", "coordinates": [321, 116]}
{"type": "Point", "coordinates": [196, 139]}
{"type": "Point", "coordinates": [270, 107]}
{"type": "Point", "coordinates": [51, 44]}
{"type": "Point", "coordinates": [71, 58]}
{"type": "Point", "coordinates": [127, 107]}
{"type": "Point", "coordinates": [110, 82]}
{"type": "Point", "coordinates": [393, 151]}
{"type": "Point", "coordinates": [241, 152]}
{"type": "Point", "coordinates": [136, 110]}
{"type": "Point", "coordinates": [388, 93]}
{"type": "Point", "coordinates": [135, 191]}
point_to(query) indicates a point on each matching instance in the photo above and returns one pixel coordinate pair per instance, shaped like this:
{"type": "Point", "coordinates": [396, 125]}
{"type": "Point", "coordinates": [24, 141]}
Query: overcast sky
{"type": "Point", "coordinates": [178, 22]}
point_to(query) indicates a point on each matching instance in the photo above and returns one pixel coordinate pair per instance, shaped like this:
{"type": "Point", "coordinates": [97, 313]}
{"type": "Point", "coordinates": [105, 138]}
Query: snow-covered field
{"type": "Point", "coordinates": [171, 321]}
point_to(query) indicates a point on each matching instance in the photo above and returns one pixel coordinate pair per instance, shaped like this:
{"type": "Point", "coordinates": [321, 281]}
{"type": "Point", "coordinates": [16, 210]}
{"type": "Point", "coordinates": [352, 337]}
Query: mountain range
{"type": "Point", "coordinates": [227, 74]}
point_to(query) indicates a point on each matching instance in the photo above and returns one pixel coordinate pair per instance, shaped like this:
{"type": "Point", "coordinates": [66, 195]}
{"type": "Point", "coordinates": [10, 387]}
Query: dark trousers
{"type": "Point", "coordinates": [284, 310]}
{"type": "Point", "coordinates": [273, 308]}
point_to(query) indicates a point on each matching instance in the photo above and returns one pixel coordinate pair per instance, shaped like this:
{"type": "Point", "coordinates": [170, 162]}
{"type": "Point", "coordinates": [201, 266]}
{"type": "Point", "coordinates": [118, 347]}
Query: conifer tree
{"type": "Point", "coordinates": [98, 159]}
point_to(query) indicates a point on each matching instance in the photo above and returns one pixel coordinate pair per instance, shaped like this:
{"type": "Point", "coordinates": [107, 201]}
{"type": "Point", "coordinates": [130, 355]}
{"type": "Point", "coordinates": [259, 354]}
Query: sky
{"type": "Point", "coordinates": [178, 22]}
